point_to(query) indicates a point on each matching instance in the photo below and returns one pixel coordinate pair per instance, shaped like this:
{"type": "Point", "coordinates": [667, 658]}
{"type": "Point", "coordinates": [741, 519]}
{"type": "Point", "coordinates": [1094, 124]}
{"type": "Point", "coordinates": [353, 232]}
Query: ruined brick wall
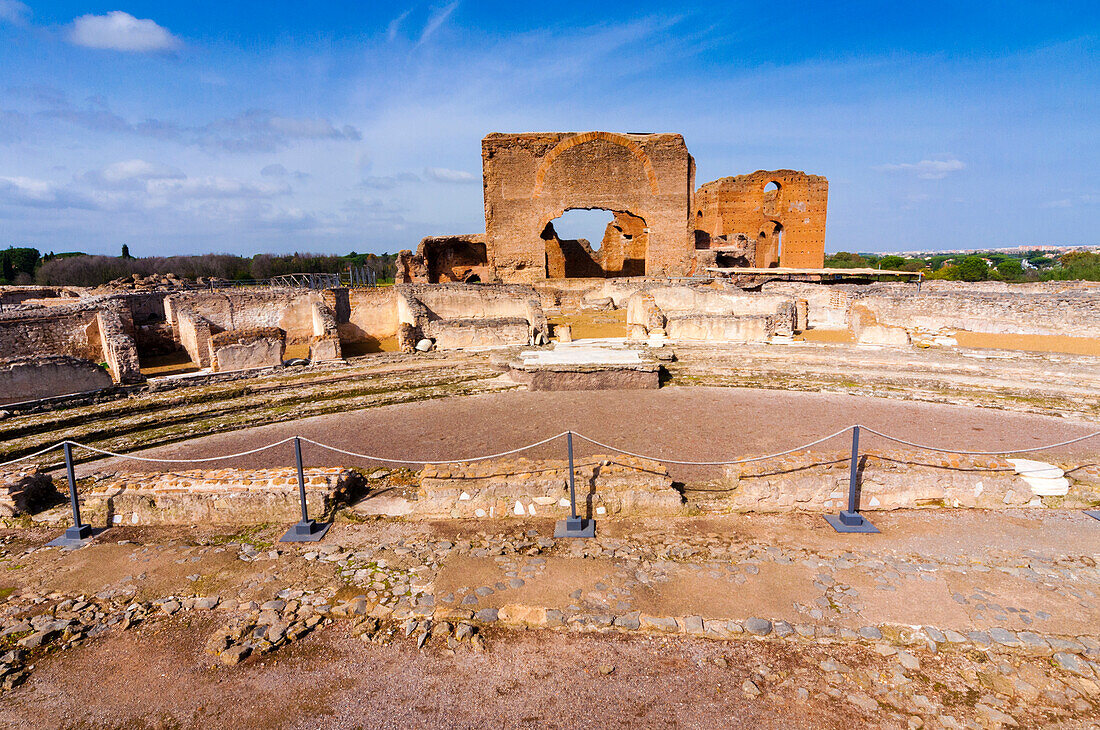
{"type": "Point", "coordinates": [740, 205]}
{"type": "Point", "coordinates": [531, 179]}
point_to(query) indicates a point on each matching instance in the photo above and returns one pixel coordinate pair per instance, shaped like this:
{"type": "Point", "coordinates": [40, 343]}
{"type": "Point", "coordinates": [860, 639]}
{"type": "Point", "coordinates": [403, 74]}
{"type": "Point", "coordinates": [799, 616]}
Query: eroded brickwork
{"type": "Point", "coordinates": [782, 211]}
{"type": "Point", "coordinates": [531, 179]}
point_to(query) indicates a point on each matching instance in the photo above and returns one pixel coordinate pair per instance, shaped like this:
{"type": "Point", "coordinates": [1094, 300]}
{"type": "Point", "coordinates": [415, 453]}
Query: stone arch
{"type": "Point", "coordinates": [578, 139]}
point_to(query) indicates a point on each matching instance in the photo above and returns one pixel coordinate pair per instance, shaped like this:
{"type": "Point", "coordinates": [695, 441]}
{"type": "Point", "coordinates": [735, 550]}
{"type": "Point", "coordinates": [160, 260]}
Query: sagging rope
{"type": "Point", "coordinates": [369, 457]}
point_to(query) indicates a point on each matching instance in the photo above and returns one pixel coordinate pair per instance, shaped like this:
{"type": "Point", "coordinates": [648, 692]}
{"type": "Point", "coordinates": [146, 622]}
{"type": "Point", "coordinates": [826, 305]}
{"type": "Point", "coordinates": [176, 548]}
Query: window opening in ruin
{"type": "Point", "coordinates": [595, 242]}
{"type": "Point", "coordinates": [769, 246]}
{"type": "Point", "coordinates": [771, 198]}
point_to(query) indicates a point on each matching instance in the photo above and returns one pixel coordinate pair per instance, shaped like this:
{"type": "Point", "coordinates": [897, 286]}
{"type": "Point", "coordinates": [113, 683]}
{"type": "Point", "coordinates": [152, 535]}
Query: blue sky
{"type": "Point", "coordinates": [196, 127]}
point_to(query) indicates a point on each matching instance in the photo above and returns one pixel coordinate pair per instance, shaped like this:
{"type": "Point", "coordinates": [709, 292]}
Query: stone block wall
{"type": "Point", "coordinates": [531, 179]}
{"type": "Point", "coordinates": [33, 378]}
{"type": "Point", "coordinates": [223, 496]}
{"type": "Point", "coordinates": [696, 313]}
{"type": "Point", "coordinates": [245, 349]}
{"type": "Point", "coordinates": [290, 310]}
{"type": "Point", "coordinates": [443, 259]}
{"type": "Point", "coordinates": [605, 485]}
{"type": "Point", "coordinates": [469, 315]}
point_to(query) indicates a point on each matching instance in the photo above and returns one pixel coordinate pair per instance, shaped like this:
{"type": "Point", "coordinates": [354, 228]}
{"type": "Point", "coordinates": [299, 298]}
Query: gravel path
{"type": "Point", "coordinates": [684, 423]}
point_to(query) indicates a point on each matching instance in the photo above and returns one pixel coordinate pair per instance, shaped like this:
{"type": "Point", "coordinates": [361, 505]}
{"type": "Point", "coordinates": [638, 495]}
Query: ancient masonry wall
{"type": "Point", "coordinates": [226, 496]}
{"type": "Point", "coordinates": [469, 315]}
{"type": "Point", "coordinates": [291, 310]}
{"type": "Point", "coordinates": [531, 179]}
{"type": "Point", "coordinates": [741, 205]}
{"type": "Point", "coordinates": [1051, 308]}
{"type": "Point", "coordinates": [246, 349]}
{"type": "Point", "coordinates": [32, 378]}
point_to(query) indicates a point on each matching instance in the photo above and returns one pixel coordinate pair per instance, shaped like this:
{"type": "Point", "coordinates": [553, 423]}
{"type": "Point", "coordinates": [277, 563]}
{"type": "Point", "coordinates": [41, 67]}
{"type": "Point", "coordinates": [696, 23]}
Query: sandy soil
{"type": "Point", "coordinates": [690, 424]}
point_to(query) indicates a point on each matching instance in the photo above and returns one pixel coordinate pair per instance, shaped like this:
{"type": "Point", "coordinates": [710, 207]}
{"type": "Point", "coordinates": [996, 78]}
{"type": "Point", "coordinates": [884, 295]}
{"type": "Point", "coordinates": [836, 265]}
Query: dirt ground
{"type": "Point", "coordinates": [682, 423]}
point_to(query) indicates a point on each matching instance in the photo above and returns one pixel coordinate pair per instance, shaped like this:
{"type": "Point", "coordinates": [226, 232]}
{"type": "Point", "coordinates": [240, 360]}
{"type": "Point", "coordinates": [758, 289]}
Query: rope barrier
{"type": "Point", "coordinates": [979, 453]}
{"type": "Point", "coordinates": [182, 461]}
{"type": "Point", "coordinates": [712, 463]}
{"type": "Point", "coordinates": [368, 457]}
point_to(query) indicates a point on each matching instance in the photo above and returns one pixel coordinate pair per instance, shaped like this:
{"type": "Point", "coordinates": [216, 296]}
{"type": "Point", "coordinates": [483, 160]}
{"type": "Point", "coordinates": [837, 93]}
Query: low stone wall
{"type": "Point", "coordinates": [696, 313]}
{"type": "Point", "coordinates": [247, 349]}
{"type": "Point", "coordinates": [225, 496]}
{"type": "Point", "coordinates": [33, 378]}
{"type": "Point", "coordinates": [25, 490]}
{"type": "Point", "coordinates": [891, 479]}
{"type": "Point", "coordinates": [619, 485]}
{"type": "Point", "coordinates": [325, 344]}
{"type": "Point", "coordinates": [469, 315]}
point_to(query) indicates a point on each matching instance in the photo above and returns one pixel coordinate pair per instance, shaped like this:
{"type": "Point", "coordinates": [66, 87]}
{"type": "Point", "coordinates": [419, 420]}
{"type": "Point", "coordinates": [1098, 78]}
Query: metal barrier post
{"type": "Point", "coordinates": [850, 520]}
{"type": "Point", "coordinates": [573, 526]}
{"type": "Point", "coordinates": [1093, 513]}
{"type": "Point", "coordinates": [79, 533]}
{"type": "Point", "coordinates": [307, 530]}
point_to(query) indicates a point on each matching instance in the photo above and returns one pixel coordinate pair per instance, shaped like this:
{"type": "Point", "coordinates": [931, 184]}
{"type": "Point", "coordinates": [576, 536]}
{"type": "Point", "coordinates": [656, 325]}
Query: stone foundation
{"type": "Point", "coordinates": [224, 496]}
{"type": "Point", "coordinates": [619, 485]}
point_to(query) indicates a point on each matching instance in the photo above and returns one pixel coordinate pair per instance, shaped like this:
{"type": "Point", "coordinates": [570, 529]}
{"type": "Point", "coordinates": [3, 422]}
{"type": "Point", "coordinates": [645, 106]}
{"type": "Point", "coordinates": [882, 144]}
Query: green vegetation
{"type": "Point", "coordinates": [991, 266]}
{"type": "Point", "coordinates": [27, 266]}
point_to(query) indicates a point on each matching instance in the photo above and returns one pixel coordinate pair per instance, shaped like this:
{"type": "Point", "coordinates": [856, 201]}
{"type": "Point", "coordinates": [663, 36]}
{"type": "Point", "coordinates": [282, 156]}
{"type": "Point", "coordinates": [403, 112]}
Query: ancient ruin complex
{"type": "Point", "coordinates": [662, 227]}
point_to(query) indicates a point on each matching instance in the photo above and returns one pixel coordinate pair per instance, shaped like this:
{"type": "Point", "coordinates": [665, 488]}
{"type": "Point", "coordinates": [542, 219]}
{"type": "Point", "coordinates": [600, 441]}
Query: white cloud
{"type": "Point", "coordinates": [438, 18]}
{"type": "Point", "coordinates": [927, 169]}
{"type": "Point", "coordinates": [121, 31]}
{"type": "Point", "coordinates": [14, 12]}
{"type": "Point", "coordinates": [443, 175]}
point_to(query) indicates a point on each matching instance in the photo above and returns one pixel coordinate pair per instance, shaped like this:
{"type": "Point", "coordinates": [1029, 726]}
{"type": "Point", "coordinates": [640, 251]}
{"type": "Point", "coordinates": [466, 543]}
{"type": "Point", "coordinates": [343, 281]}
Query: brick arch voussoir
{"type": "Point", "coordinates": [579, 139]}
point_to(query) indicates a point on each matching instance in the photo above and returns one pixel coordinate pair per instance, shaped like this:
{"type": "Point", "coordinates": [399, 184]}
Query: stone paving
{"type": "Point", "coordinates": [1023, 621]}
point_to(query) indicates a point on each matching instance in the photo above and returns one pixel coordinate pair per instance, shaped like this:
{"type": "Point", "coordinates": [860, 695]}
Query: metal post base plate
{"type": "Point", "coordinates": [848, 521]}
{"type": "Point", "coordinates": [575, 527]}
{"type": "Point", "coordinates": [1093, 513]}
{"type": "Point", "coordinates": [308, 531]}
{"type": "Point", "coordinates": [75, 537]}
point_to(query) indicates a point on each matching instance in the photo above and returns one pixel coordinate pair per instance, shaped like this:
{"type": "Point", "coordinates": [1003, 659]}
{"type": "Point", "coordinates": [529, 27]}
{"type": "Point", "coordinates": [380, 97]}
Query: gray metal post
{"type": "Point", "coordinates": [572, 477]}
{"type": "Point", "coordinates": [853, 473]}
{"type": "Point", "coordinates": [574, 525]}
{"type": "Point", "coordinates": [76, 535]}
{"type": "Point", "coordinates": [850, 520]}
{"type": "Point", "coordinates": [307, 530]}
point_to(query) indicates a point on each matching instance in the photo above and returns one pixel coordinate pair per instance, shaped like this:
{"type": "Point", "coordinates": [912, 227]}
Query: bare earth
{"type": "Point", "coordinates": [682, 423]}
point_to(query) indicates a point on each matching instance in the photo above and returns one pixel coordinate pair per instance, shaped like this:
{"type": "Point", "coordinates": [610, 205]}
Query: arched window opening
{"type": "Point", "coordinates": [771, 198]}
{"type": "Point", "coordinates": [595, 243]}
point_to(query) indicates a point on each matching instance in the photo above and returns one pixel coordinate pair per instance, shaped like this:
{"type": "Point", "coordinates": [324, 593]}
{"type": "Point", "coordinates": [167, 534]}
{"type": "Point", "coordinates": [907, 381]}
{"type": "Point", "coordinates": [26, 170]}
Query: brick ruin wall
{"type": "Point", "coordinates": [531, 179]}
{"type": "Point", "coordinates": [736, 205]}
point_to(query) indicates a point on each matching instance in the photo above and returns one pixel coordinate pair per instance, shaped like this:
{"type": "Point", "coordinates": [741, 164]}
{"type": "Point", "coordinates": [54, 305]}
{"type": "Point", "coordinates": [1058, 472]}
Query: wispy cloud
{"type": "Point", "coordinates": [14, 12]}
{"type": "Point", "coordinates": [456, 177]}
{"type": "Point", "coordinates": [394, 26]}
{"type": "Point", "coordinates": [388, 182]}
{"type": "Point", "coordinates": [119, 31]}
{"type": "Point", "coordinates": [927, 169]}
{"type": "Point", "coordinates": [435, 20]}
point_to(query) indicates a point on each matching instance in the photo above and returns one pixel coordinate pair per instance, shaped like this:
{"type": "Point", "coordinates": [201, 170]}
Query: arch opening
{"type": "Point", "coordinates": [771, 198]}
{"type": "Point", "coordinates": [595, 243]}
{"type": "Point", "coordinates": [769, 246]}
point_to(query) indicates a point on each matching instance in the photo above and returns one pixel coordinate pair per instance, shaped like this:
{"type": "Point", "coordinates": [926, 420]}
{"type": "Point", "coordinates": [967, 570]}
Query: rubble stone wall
{"type": "Point", "coordinates": [468, 315]}
{"type": "Point", "coordinates": [25, 489]}
{"type": "Point", "coordinates": [290, 310]}
{"type": "Point", "coordinates": [696, 313]}
{"type": "Point", "coordinates": [531, 179]}
{"type": "Point", "coordinates": [525, 488]}
{"type": "Point", "coordinates": [225, 496]}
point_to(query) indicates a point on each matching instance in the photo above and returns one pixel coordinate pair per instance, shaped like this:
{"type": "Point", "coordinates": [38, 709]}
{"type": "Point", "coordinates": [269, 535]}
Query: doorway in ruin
{"type": "Point", "coordinates": [769, 246]}
{"type": "Point", "coordinates": [595, 243]}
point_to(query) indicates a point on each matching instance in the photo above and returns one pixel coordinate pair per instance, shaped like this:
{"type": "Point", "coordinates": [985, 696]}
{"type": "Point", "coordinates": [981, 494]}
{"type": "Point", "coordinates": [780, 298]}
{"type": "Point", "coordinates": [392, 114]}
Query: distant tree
{"type": "Point", "coordinates": [1011, 269]}
{"type": "Point", "coordinates": [973, 268]}
{"type": "Point", "coordinates": [126, 252]}
{"type": "Point", "coordinates": [891, 262]}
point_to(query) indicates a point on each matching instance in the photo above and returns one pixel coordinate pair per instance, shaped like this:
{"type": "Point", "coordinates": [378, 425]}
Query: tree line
{"type": "Point", "coordinates": [990, 266]}
{"type": "Point", "coordinates": [27, 266]}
